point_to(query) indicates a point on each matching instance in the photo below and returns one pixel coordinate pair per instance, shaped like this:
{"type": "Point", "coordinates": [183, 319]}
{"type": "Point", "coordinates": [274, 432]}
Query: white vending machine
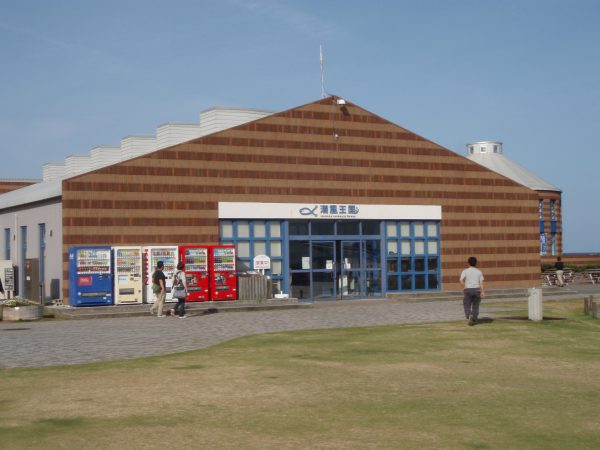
{"type": "Point", "coordinates": [152, 254]}
{"type": "Point", "coordinates": [127, 279]}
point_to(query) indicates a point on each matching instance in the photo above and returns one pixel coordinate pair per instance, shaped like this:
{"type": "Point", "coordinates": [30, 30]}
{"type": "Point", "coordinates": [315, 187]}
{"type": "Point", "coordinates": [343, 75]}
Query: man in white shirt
{"type": "Point", "coordinates": [472, 281]}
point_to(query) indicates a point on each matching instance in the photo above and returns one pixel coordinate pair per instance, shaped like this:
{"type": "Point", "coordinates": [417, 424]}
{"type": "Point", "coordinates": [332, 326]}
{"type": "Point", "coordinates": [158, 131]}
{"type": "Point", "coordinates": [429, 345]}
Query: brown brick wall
{"type": "Point", "coordinates": [8, 185]}
{"type": "Point", "coordinates": [171, 196]}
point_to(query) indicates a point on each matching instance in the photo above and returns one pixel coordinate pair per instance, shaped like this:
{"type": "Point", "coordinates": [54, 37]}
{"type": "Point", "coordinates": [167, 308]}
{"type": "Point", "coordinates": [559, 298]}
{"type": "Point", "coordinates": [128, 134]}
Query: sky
{"type": "Point", "coordinates": [76, 74]}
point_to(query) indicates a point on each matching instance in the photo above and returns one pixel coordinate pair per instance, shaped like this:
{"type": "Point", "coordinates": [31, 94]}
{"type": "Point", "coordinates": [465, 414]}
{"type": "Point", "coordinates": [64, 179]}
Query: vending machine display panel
{"type": "Point", "coordinates": [223, 277]}
{"type": "Point", "coordinates": [153, 254]}
{"type": "Point", "coordinates": [90, 276]}
{"type": "Point", "coordinates": [127, 262]}
{"type": "Point", "coordinates": [195, 259]}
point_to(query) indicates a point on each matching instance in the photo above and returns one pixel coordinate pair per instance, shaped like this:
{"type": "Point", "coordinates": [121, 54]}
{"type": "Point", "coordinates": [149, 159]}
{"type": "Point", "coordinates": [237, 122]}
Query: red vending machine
{"type": "Point", "coordinates": [195, 259]}
{"type": "Point", "coordinates": [223, 279]}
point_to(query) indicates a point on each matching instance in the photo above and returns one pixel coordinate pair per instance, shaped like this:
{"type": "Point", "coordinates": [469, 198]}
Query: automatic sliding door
{"type": "Point", "coordinates": [351, 280]}
{"type": "Point", "coordinates": [323, 269]}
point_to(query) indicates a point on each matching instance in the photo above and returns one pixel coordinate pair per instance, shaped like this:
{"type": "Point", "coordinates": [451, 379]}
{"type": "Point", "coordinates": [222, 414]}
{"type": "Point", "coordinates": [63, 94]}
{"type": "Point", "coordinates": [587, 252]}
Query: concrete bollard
{"type": "Point", "coordinates": [535, 305]}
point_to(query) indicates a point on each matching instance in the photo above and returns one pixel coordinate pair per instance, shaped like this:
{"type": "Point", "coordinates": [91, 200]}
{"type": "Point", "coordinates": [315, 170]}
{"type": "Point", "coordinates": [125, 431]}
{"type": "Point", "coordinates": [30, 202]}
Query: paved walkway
{"type": "Point", "coordinates": [46, 343]}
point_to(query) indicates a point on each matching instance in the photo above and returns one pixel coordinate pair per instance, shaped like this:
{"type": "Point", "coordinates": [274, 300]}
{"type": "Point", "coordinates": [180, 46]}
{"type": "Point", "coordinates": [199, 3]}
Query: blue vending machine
{"type": "Point", "coordinates": [90, 276]}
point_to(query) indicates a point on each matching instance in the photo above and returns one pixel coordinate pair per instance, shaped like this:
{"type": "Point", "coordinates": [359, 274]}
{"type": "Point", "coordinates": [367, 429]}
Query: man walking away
{"type": "Point", "coordinates": [472, 281]}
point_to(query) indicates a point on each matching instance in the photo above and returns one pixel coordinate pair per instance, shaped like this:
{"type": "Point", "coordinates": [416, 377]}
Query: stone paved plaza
{"type": "Point", "coordinates": [56, 342]}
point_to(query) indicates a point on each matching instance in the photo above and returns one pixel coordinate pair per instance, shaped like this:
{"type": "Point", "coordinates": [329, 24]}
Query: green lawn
{"type": "Point", "coordinates": [504, 385]}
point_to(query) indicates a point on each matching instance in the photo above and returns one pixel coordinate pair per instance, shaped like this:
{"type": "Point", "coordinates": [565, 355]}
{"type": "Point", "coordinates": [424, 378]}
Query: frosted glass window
{"type": "Point", "coordinates": [275, 267]}
{"type": "Point", "coordinates": [392, 247]}
{"type": "Point", "coordinates": [243, 229]}
{"type": "Point", "coordinates": [275, 229]}
{"type": "Point", "coordinates": [419, 247]}
{"type": "Point", "coordinates": [391, 229]}
{"type": "Point", "coordinates": [275, 249]}
{"type": "Point", "coordinates": [432, 247]}
{"type": "Point", "coordinates": [432, 229]}
{"type": "Point", "coordinates": [419, 230]}
{"type": "Point", "coordinates": [226, 229]}
{"type": "Point", "coordinates": [243, 249]}
{"type": "Point", "coordinates": [260, 247]}
{"type": "Point", "coordinates": [405, 247]}
{"type": "Point", "coordinates": [405, 229]}
{"type": "Point", "coordinates": [259, 229]}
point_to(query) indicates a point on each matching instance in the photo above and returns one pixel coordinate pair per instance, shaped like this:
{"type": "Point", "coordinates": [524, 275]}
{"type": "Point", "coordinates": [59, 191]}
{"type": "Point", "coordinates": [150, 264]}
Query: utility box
{"type": "Point", "coordinates": [31, 282]}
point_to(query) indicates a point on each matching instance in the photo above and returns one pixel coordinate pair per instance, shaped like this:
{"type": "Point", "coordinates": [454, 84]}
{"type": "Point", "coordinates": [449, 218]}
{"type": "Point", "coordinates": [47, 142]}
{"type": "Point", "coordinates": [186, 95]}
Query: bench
{"type": "Point", "coordinates": [549, 277]}
{"type": "Point", "coordinates": [592, 275]}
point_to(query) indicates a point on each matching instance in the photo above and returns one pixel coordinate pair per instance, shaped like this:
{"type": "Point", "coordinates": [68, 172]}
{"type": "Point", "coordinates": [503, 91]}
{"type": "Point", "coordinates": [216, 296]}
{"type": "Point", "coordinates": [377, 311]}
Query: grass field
{"type": "Point", "coordinates": [499, 385]}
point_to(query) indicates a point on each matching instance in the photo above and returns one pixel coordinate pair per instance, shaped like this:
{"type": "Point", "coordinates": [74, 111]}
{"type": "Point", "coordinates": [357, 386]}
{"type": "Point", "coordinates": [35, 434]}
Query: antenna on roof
{"type": "Point", "coordinates": [322, 76]}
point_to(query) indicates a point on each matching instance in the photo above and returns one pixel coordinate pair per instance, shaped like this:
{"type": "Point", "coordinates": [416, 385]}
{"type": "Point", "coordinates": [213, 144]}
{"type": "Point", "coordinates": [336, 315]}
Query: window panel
{"type": "Point", "coordinates": [322, 227]}
{"type": "Point", "coordinates": [392, 265]}
{"type": "Point", "coordinates": [275, 229]}
{"type": "Point", "coordinates": [226, 229]}
{"type": "Point", "coordinates": [432, 229]}
{"type": "Point", "coordinates": [391, 229]}
{"type": "Point", "coordinates": [260, 248]}
{"type": "Point", "coordinates": [419, 247]}
{"type": "Point", "coordinates": [243, 229]}
{"type": "Point", "coordinates": [392, 282]}
{"type": "Point", "coordinates": [405, 229]}
{"type": "Point", "coordinates": [259, 229]}
{"type": "Point", "coordinates": [276, 268]}
{"type": "Point", "coordinates": [243, 249]}
{"type": "Point", "coordinates": [419, 264]}
{"type": "Point", "coordinates": [348, 228]}
{"type": "Point", "coordinates": [405, 247]}
{"type": "Point", "coordinates": [370, 227]}
{"type": "Point", "coordinates": [432, 247]}
{"type": "Point", "coordinates": [275, 249]}
{"type": "Point", "coordinates": [419, 229]}
{"type": "Point", "coordinates": [392, 247]}
{"type": "Point", "coordinates": [298, 228]}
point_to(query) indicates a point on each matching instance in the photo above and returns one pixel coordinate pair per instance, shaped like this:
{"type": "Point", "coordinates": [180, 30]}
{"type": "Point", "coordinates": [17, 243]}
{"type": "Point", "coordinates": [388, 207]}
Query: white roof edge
{"type": "Point", "coordinates": [237, 108]}
{"type": "Point", "coordinates": [139, 136]}
{"type": "Point", "coordinates": [178, 124]}
{"type": "Point", "coordinates": [506, 167]}
{"type": "Point", "coordinates": [31, 194]}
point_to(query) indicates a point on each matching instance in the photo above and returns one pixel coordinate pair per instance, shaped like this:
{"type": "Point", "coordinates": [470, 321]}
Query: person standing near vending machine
{"type": "Point", "coordinates": [180, 290]}
{"type": "Point", "coordinates": [159, 278]}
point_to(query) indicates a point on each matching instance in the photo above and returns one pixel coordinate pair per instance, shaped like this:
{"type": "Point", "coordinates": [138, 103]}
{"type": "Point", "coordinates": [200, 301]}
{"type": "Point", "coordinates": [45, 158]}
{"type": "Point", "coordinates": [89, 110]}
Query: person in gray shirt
{"type": "Point", "coordinates": [472, 281]}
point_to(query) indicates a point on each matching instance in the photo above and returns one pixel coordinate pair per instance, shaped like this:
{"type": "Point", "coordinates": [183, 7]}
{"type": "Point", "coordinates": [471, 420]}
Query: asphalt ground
{"type": "Point", "coordinates": [61, 342]}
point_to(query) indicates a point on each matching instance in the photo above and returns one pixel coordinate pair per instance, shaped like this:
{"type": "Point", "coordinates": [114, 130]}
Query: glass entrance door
{"type": "Point", "coordinates": [351, 282]}
{"type": "Point", "coordinates": [330, 269]}
{"type": "Point", "coordinates": [323, 269]}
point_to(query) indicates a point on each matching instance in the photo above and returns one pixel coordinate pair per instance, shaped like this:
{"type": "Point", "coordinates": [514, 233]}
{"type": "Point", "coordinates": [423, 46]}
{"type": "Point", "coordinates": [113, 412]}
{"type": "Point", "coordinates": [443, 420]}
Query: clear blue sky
{"type": "Point", "coordinates": [77, 73]}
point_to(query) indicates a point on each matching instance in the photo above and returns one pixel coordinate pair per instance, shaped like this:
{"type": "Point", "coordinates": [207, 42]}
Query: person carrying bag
{"type": "Point", "coordinates": [179, 290]}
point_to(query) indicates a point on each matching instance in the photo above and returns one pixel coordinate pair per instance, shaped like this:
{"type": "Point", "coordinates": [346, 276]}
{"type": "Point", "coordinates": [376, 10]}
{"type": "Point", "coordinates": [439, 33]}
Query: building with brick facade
{"type": "Point", "coordinates": [490, 154]}
{"type": "Point", "coordinates": [341, 200]}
